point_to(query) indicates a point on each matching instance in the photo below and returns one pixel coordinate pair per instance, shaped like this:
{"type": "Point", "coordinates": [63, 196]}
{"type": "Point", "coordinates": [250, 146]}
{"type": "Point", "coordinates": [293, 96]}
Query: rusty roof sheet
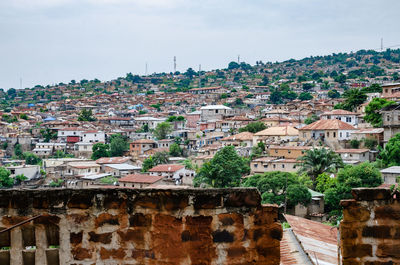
{"type": "Point", "coordinates": [318, 240]}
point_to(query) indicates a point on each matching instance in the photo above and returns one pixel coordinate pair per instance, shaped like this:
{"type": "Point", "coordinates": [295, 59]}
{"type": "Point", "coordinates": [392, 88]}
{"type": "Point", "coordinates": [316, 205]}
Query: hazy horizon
{"type": "Point", "coordinates": [52, 41]}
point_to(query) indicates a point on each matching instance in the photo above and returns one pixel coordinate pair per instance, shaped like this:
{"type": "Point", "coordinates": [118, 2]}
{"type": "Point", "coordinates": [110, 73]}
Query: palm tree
{"type": "Point", "coordinates": [319, 160]}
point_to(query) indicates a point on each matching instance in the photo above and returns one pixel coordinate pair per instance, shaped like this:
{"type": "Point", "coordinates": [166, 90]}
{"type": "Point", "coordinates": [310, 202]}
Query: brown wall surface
{"type": "Point", "coordinates": [370, 229]}
{"type": "Point", "coordinates": [130, 226]}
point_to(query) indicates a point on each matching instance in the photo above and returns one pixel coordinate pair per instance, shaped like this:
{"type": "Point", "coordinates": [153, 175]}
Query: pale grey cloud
{"type": "Point", "coordinates": [48, 41]}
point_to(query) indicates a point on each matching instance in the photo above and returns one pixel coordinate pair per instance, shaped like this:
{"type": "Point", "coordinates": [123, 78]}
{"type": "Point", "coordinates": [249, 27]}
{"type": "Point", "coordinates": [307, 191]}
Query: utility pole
{"type": "Point", "coordinates": [20, 83]}
{"type": "Point", "coordinates": [239, 58]}
{"type": "Point", "coordinates": [381, 44]}
{"type": "Point", "coordinates": [145, 72]}
{"type": "Point", "coordinates": [174, 64]}
{"type": "Point", "coordinates": [199, 75]}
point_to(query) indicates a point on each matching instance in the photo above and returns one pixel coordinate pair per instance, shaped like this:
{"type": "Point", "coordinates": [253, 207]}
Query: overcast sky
{"type": "Point", "coordinates": [52, 41]}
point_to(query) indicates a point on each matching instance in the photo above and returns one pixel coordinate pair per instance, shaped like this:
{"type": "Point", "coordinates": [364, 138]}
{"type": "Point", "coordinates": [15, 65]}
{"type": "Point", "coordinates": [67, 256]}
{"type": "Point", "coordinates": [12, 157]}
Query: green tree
{"type": "Point", "coordinates": [148, 163]}
{"type": "Point", "coordinates": [390, 155]}
{"type": "Point", "coordinates": [354, 143]}
{"type": "Point", "coordinates": [372, 114]}
{"type": "Point", "coordinates": [374, 88]}
{"type": "Point", "coordinates": [319, 160]}
{"type": "Point", "coordinates": [162, 130]}
{"type": "Point", "coordinates": [233, 65]}
{"type": "Point", "coordinates": [257, 150]}
{"type": "Point", "coordinates": [56, 183]}
{"type": "Point", "coordinates": [118, 145]}
{"type": "Point", "coordinates": [108, 180]}
{"type": "Point", "coordinates": [61, 154]}
{"type": "Point", "coordinates": [370, 143]}
{"type": "Point", "coordinates": [5, 180]}
{"type": "Point", "coordinates": [253, 127]}
{"type": "Point", "coordinates": [307, 86]}
{"type": "Point", "coordinates": [311, 119]}
{"type": "Point", "coordinates": [353, 98]}
{"type": "Point", "coordinates": [19, 179]}
{"type": "Point", "coordinates": [23, 116]}
{"type": "Point", "coordinates": [324, 182]}
{"type": "Point", "coordinates": [265, 81]}
{"type": "Point", "coordinates": [175, 150]}
{"type": "Point", "coordinates": [161, 158]}
{"type": "Point", "coordinates": [86, 115]}
{"type": "Point", "coordinates": [100, 150]}
{"type": "Point", "coordinates": [31, 159]}
{"type": "Point", "coordinates": [224, 170]}
{"type": "Point", "coordinates": [305, 96]}
{"type": "Point", "coordinates": [18, 151]}
{"type": "Point", "coordinates": [274, 186]}
{"type": "Point", "coordinates": [362, 175]}
{"type": "Point", "coordinates": [333, 93]}
{"type": "Point", "coordinates": [48, 134]}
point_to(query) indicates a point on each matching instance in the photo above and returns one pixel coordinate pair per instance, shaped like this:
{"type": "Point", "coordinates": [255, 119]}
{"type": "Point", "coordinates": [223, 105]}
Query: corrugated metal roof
{"type": "Point", "coordinates": [318, 240]}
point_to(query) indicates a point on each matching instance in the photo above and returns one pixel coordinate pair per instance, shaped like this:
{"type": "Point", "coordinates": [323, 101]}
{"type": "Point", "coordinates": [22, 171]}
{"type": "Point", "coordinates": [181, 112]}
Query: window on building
{"type": "Point", "coordinates": [283, 165]}
{"type": "Point", "coordinates": [334, 134]}
{"type": "Point", "coordinates": [340, 134]}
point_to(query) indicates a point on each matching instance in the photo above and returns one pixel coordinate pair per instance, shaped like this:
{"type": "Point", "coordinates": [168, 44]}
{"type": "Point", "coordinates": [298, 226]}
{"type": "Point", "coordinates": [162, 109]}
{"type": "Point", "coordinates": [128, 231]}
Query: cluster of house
{"type": "Point", "coordinates": [205, 128]}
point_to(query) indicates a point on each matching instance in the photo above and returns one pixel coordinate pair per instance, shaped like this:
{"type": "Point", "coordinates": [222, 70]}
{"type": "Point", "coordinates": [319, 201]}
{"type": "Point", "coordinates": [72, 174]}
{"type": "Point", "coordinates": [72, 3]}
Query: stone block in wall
{"type": "Point", "coordinates": [149, 226]}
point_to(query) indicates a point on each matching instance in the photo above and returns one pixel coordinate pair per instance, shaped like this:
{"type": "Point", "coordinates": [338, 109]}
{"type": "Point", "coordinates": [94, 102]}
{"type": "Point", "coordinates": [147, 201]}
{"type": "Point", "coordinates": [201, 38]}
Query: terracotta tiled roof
{"type": "Point", "coordinates": [112, 160]}
{"type": "Point", "coordinates": [279, 131]}
{"type": "Point", "coordinates": [243, 136]}
{"type": "Point", "coordinates": [290, 147]}
{"type": "Point", "coordinates": [333, 124]}
{"type": "Point", "coordinates": [339, 112]}
{"type": "Point", "coordinates": [140, 178]}
{"type": "Point", "coordinates": [144, 141]}
{"type": "Point", "coordinates": [166, 168]}
{"type": "Point", "coordinates": [354, 151]}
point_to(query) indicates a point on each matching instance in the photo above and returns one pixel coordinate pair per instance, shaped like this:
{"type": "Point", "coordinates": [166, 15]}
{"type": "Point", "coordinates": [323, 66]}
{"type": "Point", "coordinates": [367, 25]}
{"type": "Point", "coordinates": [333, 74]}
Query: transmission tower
{"type": "Point", "coordinates": [174, 64]}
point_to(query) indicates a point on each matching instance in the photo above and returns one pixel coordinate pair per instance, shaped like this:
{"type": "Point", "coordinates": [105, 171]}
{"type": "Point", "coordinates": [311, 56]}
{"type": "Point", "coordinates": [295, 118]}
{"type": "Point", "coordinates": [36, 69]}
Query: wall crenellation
{"type": "Point", "coordinates": [126, 226]}
{"type": "Point", "coordinates": [370, 229]}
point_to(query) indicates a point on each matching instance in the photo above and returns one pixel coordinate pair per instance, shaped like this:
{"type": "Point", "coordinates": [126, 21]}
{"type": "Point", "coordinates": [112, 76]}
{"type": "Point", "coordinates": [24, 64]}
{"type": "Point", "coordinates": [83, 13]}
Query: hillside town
{"type": "Point", "coordinates": [292, 141]}
{"type": "Point", "coordinates": [303, 125]}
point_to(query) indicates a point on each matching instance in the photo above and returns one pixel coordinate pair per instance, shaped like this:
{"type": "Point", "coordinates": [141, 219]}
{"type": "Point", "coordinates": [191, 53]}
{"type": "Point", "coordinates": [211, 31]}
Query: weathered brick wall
{"type": "Point", "coordinates": [370, 229]}
{"type": "Point", "coordinates": [126, 226]}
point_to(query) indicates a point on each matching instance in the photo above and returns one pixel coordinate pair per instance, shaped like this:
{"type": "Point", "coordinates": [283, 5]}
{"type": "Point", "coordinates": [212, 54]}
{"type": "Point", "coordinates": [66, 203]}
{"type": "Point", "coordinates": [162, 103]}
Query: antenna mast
{"type": "Point", "coordinates": [145, 73]}
{"type": "Point", "coordinates": [174, 64]}
{"type": "Point", "coordinates": [381, 44]}
{"type": "Point", "coordinates": [199, 75]}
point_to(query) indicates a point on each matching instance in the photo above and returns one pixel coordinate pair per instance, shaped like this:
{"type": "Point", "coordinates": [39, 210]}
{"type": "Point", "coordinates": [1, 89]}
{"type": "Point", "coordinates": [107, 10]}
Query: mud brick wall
{"type": "Point", "coordinates": [370, 229]}
{"type": "Point", "coordinates": [127, 226]}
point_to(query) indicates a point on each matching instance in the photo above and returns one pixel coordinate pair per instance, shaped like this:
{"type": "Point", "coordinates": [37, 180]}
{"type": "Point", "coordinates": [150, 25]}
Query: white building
{"type": "Point", "coordinates": [215, 112]}
{"type": "Point", "coordinates": [150, 121]}
{"type": "Point", "coordinates": [177, 173]}
{"type": "Point", "coordinates": [342, 115]}
{"type": "Point", "coordinates": [93, 137]}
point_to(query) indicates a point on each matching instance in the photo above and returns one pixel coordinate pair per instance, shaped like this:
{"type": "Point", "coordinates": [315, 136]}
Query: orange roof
{"type": "Point", "coordinates": [243, 136]}
{"type": "Point", "coordinates": [144, 141]}
{"type": "Point", "coordinates": [112, 160]}
{"type": "Point", "coordinates": [205, 88]}
{"type": "Point", "coordinates": [338, 112]}
{"type": "Point", "coordinates": [354, 151]}
{"type": "Point", "coordinates": [140, 178]}
{"type": "Point", "coordinates": [166, 168]}
{"type": "Point", "coordinates": [333, 124]}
